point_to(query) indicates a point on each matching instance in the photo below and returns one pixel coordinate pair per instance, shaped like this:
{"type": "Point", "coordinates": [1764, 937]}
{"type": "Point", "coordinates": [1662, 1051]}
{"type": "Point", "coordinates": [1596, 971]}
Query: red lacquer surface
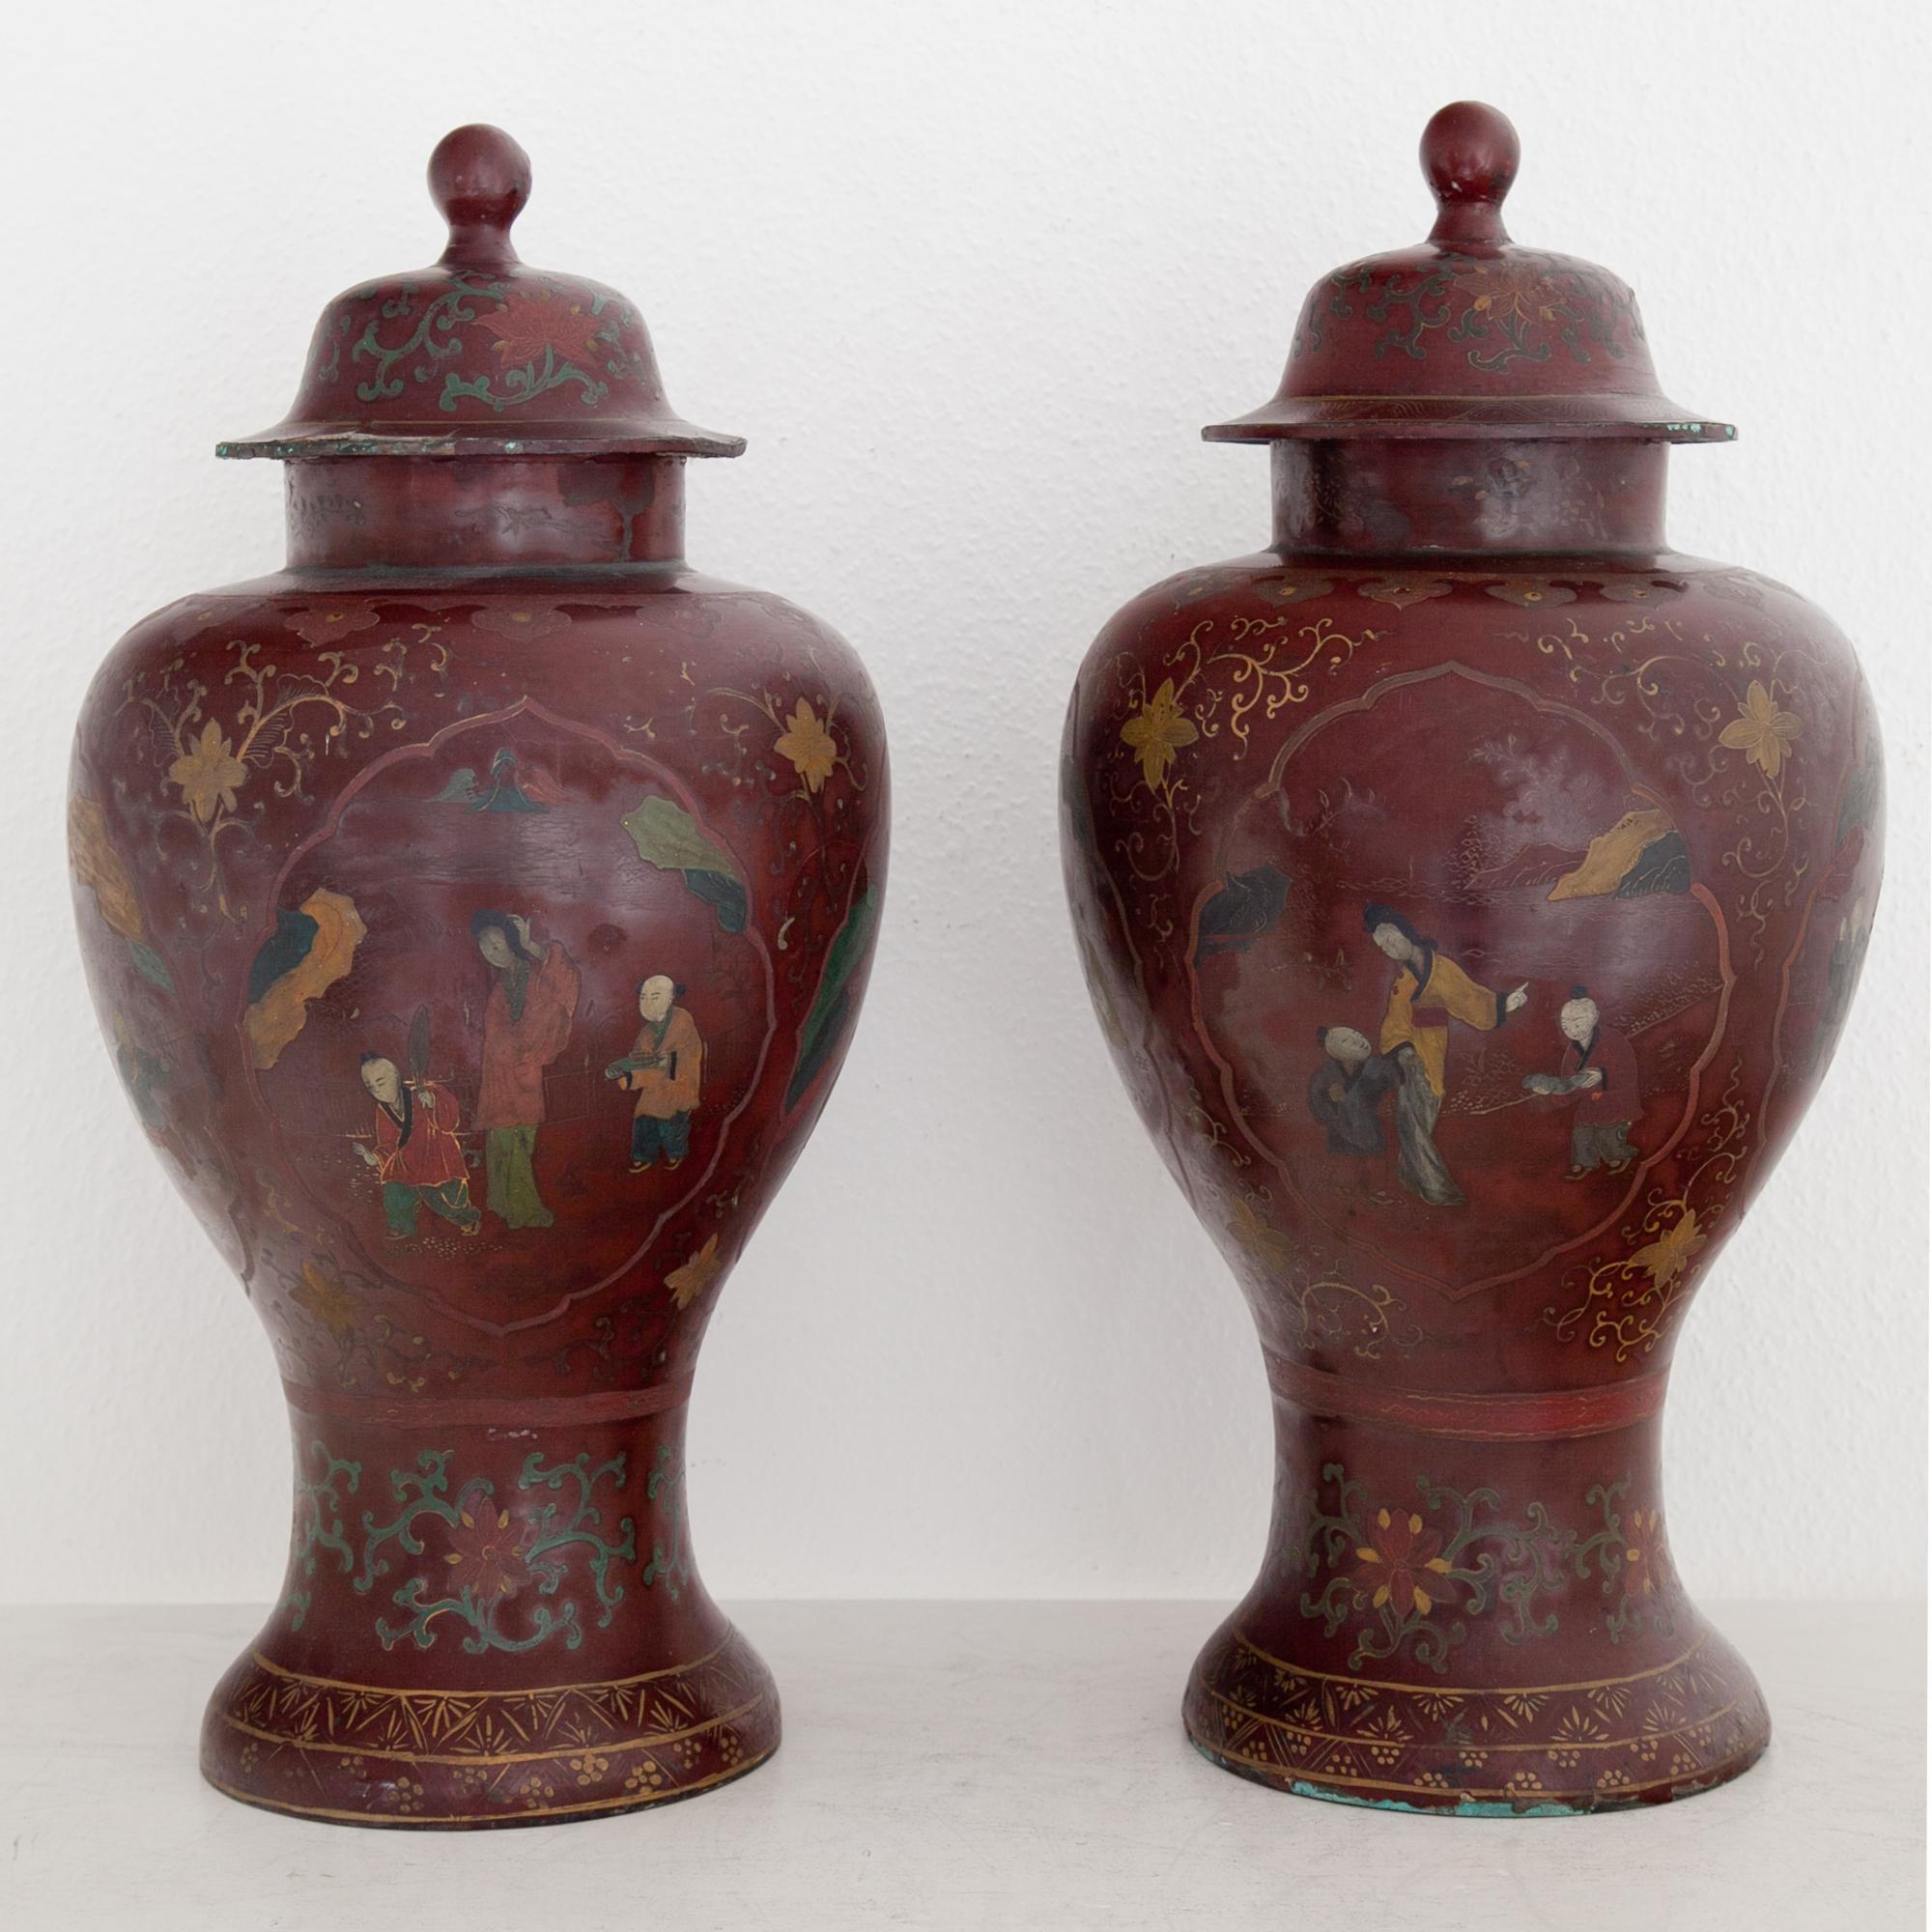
{"type": "Point", "coordinates": [479, 909]}
{"type": "Point", "coordinates": [1471, 889]}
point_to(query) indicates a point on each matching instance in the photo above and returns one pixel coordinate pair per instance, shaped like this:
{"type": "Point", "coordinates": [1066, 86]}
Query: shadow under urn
{"type": "Point", "coordinates": [479, 909]}
{"type": "Point", "coordinates": [1471, 890]}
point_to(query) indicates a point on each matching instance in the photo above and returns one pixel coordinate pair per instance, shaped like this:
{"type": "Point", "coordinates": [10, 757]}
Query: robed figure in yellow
{"type": "Point", "coordinates": [1429, 992]}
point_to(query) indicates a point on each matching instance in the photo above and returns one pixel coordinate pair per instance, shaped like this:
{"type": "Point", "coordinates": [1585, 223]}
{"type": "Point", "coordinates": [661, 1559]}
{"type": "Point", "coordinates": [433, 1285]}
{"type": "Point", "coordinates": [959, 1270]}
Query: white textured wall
{"type": "Point", "coordinates": [970, 277]}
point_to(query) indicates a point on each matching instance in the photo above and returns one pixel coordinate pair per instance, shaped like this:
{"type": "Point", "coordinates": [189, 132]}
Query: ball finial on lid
{"type": "Point", "coordinates": [479, 179]}
{"type": "Point", "coordinates": [1469, 156]}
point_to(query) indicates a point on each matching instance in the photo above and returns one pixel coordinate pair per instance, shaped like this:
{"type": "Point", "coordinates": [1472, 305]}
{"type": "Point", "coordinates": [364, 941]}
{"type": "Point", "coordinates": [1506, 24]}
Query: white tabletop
{"type": "Point", "coordinates": [1008, 1765]}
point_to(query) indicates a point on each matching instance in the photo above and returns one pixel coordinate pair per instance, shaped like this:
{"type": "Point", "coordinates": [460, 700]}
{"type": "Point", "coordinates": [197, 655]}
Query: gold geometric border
{"type": "Point", "coordinates": [1694, 1721]}
{"type": "Point", "coordinates": [655, 1740]}
{"type": "Point", "coordinates": [654, 1709]}
{"type": "Point", "coordinates": [537, 1815]}
{"type": "Point", "coordinates": [327, 1748]}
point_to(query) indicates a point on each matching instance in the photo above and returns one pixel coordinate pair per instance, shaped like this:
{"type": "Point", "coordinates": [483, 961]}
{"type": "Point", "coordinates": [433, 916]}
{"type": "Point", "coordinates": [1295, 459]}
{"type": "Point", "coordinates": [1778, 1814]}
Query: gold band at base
{"type": "Point", "coordinates": [1635, 1738]}
{"type": "Point", "coordinates": [470, 1821]}
{"type": "Point", "coordinates": [325, 1747]}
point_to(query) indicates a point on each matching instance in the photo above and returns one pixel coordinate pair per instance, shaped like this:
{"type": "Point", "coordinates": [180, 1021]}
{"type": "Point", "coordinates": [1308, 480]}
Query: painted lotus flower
{"type": "Point", "coordinates": [809, 745]}
{"type": "Point", "coordinates": [689, 1282]}
{"type": "Point", "coordinates": [530, 323]}
{"type": "Point", "coordinates": [1157, 732]}
{"type": "Point", "coordinates": [484, 1554]}
{"type": "Point", "coordinates": [208, 773]}
{"type": "Point", "coordinates": [1404, 1564]}
{"type": "Point", "coordinates": [1664, 1259]}
{"type": "Point", "coordinates": [1761, 731]}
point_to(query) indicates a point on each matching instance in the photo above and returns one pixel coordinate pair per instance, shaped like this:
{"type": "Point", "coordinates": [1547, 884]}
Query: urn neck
{"type": "Point", "coordinates": [485, 512]}
{"type": "Point", "coordinates": [1490, 497]}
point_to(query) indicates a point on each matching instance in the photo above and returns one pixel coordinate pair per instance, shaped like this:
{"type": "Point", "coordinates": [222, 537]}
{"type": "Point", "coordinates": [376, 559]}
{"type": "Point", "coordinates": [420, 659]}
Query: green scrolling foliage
{"type": "Point", "coordinates": [495, 1551]}
{"type": "Point", "coordinates": [318, 1526]}
{"type": "Point", "coordinates": [436, 335]}
{"type": "Point", "coordinates": [665, 1489]}
{"type": "Point", "coordinates": [1408, 1578]}
{"type": "Point", "coordinates": [540, 337]}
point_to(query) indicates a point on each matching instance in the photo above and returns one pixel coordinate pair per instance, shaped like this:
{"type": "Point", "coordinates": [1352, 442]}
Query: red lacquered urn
{"type": "Point", "coordinates": [479, 909]}
{"type": "Point", "coordinates": [1471, 889]}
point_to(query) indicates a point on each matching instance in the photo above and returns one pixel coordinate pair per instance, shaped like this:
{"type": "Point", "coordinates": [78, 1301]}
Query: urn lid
{"type": "Point", "coordinates": [481, 355]}
{"type": "Point", "coordinates": [1468, 334]}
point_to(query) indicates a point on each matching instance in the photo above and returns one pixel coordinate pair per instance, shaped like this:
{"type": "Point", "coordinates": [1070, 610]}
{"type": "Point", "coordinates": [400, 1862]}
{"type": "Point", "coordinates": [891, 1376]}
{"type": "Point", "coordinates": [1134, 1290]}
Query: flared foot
{"type": "Point", "coordinates": [486, 1625]}
{"type": "Point", "coordinates": [429, 1758]}
{"type": "Point", "coordinates": [1421, 1742]}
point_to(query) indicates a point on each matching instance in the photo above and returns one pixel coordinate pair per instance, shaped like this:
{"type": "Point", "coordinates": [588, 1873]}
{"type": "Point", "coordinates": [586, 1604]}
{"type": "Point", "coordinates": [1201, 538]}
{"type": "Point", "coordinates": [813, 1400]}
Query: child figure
{"type": "Point", "coordinates": [417, 1155]}
{"type": "Point", "coordinates": [1599, 1070]}
{"type": "Point", "coordinates": [663, 1069]}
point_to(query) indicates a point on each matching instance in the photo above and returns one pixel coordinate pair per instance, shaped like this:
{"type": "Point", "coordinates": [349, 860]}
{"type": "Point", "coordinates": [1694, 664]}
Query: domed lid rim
{"type": "Point", "coordinates": [1466, 334]}
{"type": "Point", "coordinates": [481, 353]}
{"type": "Point", "coordinates": [1396, 417]}
{"type": "Point", "coordinates": [304, 441]}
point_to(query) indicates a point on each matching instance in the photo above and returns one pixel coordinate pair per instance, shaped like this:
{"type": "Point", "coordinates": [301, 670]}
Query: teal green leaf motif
{"type": "Point", "coordinates": [669, 838]}
{"type": "Point", "coordinates": [499, 1554]}
{"type": "Point", "coordinates": [318, 1526]}
{"type": "Point", "coordinates": [831, 1008]}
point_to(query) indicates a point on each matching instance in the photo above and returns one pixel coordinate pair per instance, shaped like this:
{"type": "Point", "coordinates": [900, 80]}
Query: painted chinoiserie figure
{"type": "Point", "coordinates": [378, 860]}
{"type": "Point", "coordinates": [1471, 889]}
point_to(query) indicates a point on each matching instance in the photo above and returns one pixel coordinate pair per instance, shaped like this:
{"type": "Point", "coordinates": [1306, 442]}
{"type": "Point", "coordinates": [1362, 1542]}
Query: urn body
{"type": "Point", "coordinates": [1471, 889]}
{"type": "Point", "coordinates": [477, 910]}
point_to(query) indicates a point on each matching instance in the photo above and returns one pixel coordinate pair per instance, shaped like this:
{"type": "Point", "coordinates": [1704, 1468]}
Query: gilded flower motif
{"type": "Point", "coordinates": [1503, 293]}
{"type": "Point", "coordinates": [1760, 731]}
{"type": "Point", "coordinates": [529, 323]}
{"type": "Point", "coordinates": [208, 773]}
{"type": "Point", "coordinates": [1639, 589]}
{"type": "Point", "coordinates": [1268, 1245]}
{"type": "Point", "coordinates": [689, 1282]}
{"type": "Point", "coordinates": [1406, 1564]}
{"type": "Point", "coordinates": [329, 623]}
{"type": "Point", "coordinates": [484, 1554]}
{"type": "Point", "coordinates": [1293, 589]}
{"type": "Point", "coordinates": [1528, 593]}
{"type": "Point", "coordinates": [1645, 1561]}
{"type": "Point", "coordinates": [1157, 732]}
{"type": "Point", "coordinates": [1664, 1259]}
{"type": "Point", "coordinates": [326, 1299]}
{"type": "Point", "coordinates": [1402, 591]}
{"type": "Point", "coordinates": [527, 623]}
{"type": "Point", "coordinates": [809, 745]}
